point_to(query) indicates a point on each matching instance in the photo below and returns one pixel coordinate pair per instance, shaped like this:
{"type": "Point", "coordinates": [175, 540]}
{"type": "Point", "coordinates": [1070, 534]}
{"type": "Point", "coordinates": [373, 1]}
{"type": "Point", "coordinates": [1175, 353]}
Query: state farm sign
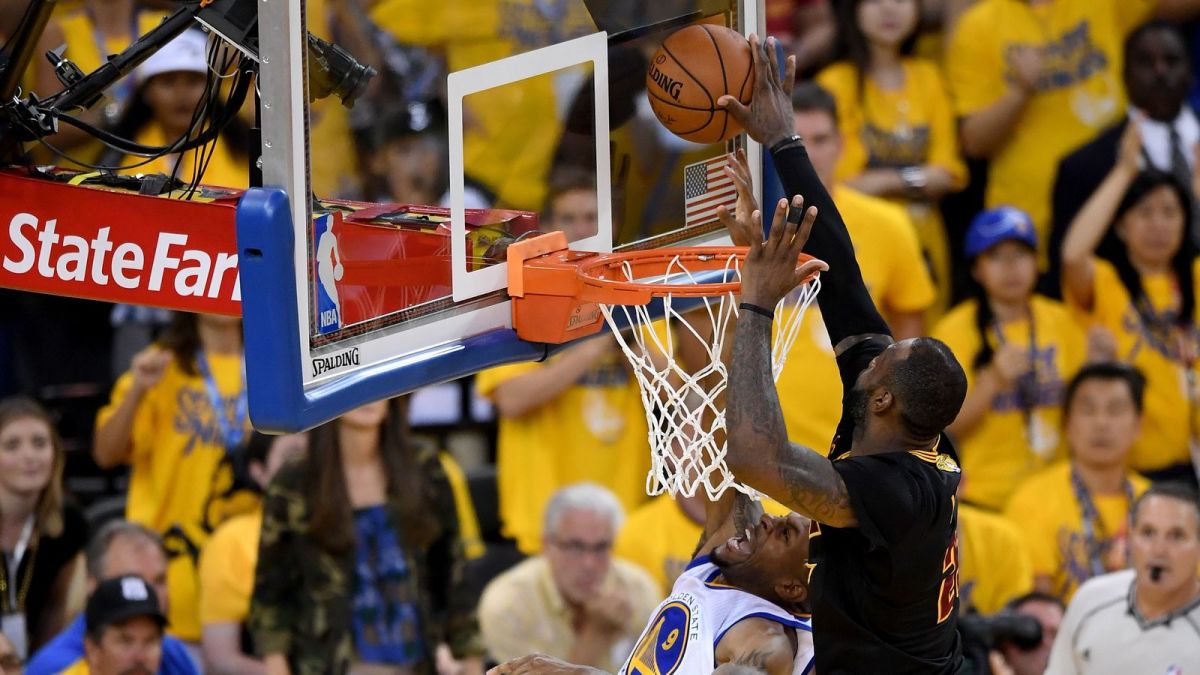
{"type": "Point", "coordinates": [118, 247]}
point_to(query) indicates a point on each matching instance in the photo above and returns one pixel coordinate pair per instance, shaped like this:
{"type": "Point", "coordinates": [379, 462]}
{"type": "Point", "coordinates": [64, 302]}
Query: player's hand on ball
{"type": "Point", "coordinates": [148, 367]}
{"type": "Point", "coordinates": [771, 271]}
{"type": "Point", "coordinates": [741, 221]}
{"type": "Point", "coordinates": [768, 119]}
{"type": "Point", "coordinates": [539, 664]}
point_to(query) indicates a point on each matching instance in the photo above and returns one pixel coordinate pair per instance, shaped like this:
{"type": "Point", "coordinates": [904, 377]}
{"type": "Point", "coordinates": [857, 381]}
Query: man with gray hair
{"type": "Point", "coordinates": [120, 548]}
{"type": "Point", "coordinates": [574, 601]}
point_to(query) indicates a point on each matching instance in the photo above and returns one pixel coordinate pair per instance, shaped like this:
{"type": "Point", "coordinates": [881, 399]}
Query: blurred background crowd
{"type": "Point", "coordinates": [1019, 178]}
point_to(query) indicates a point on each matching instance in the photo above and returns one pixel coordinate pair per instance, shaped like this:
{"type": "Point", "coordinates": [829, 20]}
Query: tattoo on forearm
{"type": "Point", "coordinates": [752, 406]}
{"type": "Point", "coordinates": [755, 658]}
{"type": "Point", "coordinates": [819, 494]}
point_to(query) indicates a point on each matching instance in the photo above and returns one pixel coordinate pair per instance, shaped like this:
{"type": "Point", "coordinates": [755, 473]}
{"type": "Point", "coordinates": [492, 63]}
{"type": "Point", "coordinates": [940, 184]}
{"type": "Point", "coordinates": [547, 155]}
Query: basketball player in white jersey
{"type": "Point", "coordinates": [742, 601]}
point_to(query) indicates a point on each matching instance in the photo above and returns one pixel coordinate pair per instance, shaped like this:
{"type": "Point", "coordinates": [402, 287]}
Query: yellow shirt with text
{"type": "Point", "coordinates": [993, 564]}
{"type": "Point", "coordinates": [1045, 509]}
{"type": "Point", "coordinates": [1005, 447]}
{"type": "Point", "coordinates": [1078, 94]}
{"type": "Point", "coordinates": [595, 430]}
{"type": "Point", "coordinates": [179, 475]}
{"type": "Point", "coordinates": [1170, 412]}
{"type": "Point", "coordinates": [810, 389]}
{"type": "Point", "coordinates": [913, 126]}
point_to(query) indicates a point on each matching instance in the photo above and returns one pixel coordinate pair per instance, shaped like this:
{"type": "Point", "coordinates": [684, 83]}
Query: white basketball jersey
{"type": "Point", "coordinates": [683, 634]}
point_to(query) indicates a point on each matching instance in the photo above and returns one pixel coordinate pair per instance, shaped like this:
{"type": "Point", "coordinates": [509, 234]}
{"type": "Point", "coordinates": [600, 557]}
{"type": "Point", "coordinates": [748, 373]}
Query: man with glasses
{"type": "Point", "coordinates": [574, 601]}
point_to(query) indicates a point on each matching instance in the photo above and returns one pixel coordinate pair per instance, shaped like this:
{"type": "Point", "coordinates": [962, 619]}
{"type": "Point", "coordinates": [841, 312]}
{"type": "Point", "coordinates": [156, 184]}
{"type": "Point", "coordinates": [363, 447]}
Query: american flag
{"type": "Point", "coordinates": [705, 187]}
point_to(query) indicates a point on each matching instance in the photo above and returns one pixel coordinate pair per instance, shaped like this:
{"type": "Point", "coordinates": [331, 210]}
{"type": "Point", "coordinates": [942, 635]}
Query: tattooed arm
{"type": "Point", "coordinates": [758, 451]}
{"type": "Point", "coordinates": [759, 645]}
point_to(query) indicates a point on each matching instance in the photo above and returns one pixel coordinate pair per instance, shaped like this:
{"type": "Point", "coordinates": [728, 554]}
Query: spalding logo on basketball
{"type": "Point", "coordinates": [693, 68]}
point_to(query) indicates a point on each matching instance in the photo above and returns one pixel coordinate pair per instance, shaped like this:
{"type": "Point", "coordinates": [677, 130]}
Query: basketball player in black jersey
{"type": "Point", "coordinates": [884, 560]}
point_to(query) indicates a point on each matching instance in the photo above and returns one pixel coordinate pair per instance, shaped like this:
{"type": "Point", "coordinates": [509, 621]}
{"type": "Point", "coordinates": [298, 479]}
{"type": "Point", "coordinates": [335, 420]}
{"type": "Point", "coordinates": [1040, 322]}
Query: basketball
{"type": "Point", "coordinates": [693, 68]}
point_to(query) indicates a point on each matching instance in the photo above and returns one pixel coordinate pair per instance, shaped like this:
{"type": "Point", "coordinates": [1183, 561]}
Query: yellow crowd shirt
{"type": "Point", "coordinates": [1078, 94]}
{"type": "Point", "coordinates": [179, 475]}
{"type": "Point", "coordinates": [595, 430]}
{"type": "Point", "coordinates": [223, 169]}
{"type": "Point", "coordinates": [1170, 413]}
{"type": "Point", "coordinates": [913, 126]}
{"type": "Point", "coordinates": [1006, 444]}
{"type": "Point", "coordinates": [511, 131]}
{"type": "Point", "coordinates": [993, 564]}
{"type": "Point", "coordinates": [660, 538]}
{"type": "Point", "coordinates": [1046, 510]}
{"type": "Point", "coordinates": [810, 389]}
{"type": "Point", "coordinates": [80, 667]}
{"type": "Point", "coordinates": [227, 570]}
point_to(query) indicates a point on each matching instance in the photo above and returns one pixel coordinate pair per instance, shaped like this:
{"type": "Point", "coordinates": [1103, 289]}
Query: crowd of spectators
{"type": "Point", "coordinates": [1019, 178]}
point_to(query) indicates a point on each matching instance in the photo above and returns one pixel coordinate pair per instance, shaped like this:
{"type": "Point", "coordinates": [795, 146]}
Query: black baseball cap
{"type": "Point", "coordinates": [122, 598]}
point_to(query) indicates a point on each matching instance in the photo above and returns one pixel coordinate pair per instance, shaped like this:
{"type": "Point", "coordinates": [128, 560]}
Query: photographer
{"type": "Point", "coordinates": [1014, 641]}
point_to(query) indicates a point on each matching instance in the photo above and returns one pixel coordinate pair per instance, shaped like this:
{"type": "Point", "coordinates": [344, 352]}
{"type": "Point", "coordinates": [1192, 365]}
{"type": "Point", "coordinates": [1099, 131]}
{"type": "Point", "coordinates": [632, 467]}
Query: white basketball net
{"type": "Point", "coordinates": [685, 410]}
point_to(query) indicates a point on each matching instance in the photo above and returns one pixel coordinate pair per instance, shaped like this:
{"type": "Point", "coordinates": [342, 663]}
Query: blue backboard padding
{"type": "Point", "coordinates": [278, 400]}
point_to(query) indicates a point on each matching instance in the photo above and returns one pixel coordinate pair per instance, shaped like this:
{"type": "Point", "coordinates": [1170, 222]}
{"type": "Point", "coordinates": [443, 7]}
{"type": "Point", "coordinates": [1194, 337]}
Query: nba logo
{"type": "Point", "coordinates": [328, 270]}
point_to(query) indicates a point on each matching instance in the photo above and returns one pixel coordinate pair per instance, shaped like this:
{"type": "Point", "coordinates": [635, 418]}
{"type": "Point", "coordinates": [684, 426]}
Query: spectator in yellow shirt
{"type": "Point", "coordinates": [1019, 349]}
{"type": "Point", "coordinates": [175, 418]}
{"type": "Point", "coordinates": [886, 247]}
{"type": "Point", "coordinates": [1130, 267]}
{"type": "Point", "coordinates": [227, 563]}
{"type": "Point", "coordinates": [993, 565]}
{"type": "Point", "coordinates": [1075, 513]}
{"type": "Point", "coordinates": [897, 121]}
{"type": "Point", "coordinates": [1034, 79]}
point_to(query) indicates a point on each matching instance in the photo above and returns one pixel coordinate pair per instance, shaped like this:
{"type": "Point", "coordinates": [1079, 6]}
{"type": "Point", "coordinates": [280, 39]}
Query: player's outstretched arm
{"type": "Point", "coordinates": [757, 449]}
{"type": "Point", "coordinates": [540, 664]}
{"type": "Point", "coordinates": [727, 517]}
{"type": "Point", "coordinates": [846, 305]}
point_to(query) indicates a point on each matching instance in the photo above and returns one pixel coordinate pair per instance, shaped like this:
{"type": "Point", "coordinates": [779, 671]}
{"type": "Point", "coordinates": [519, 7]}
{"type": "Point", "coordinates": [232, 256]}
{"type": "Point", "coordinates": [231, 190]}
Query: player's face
{"type": "Point", "coordinates": [871, 378]}
{"type": "Point", "coordinates": [1102, 422]}
{"type": "Point", "coordinates": [579, 552]}
{"type": "Point", "coordinates": [1165, 544]}
{"type": "Point", "coordinates": [1153, 229]}
{"type": "Point", "coordinates": [887, 23]}
{"type": "Point", "coordinates": [771, 553]}
{"type": "Point", "coordinates": [132, 647]}
{"type": "Point", "coordinates": [1007, 271]}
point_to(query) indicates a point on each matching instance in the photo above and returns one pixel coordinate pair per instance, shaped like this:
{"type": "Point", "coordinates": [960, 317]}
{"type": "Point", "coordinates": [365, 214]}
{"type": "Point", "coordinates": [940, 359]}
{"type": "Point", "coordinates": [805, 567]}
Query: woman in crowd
{"type": "Point", "coordinates": [170, 87]}
{"type": "Point", "coordinates": [360, 556]}
{"type": "Point", "coordinates": [42, 538]}
{"type": "Point", "coordinates": [176, 418]}
{"type": "Point", "coordinates": [1130, 267]}
{"type": "Point", "coordinates": [897, 121]}
{"type": "Point", "coordinates": [1020, 348]}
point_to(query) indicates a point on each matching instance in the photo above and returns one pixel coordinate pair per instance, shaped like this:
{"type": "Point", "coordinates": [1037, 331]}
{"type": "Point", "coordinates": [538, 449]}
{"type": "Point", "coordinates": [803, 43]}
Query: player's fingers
{"type": "Point", "coordinates": [762, 64]}
{"type": "Point", "coordinates": [778, 227]}
{"type": "Point", "coordinates": [809, 268]}
{"type": "Point", "coordinates": [735, 230]}
{"type": "Point", "coordinates": [794, 215]}
{"type": "Point", "coordinates": [756, 237]}
{"type": "Point", "coordinates": [772, 55]}
{"type": "Point", "coordinates": [789, 74]}
{"type": "Point", "coordinates": [734, 107]}
{"type": "Point", "coordinates": [806, 226]}
{"type": "Point", "coordinates": [740, 180]}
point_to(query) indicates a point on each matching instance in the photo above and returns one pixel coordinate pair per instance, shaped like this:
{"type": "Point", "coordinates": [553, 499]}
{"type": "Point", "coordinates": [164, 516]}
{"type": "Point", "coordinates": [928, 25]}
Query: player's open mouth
{"type": "Point", "coordinates": [742, 544]}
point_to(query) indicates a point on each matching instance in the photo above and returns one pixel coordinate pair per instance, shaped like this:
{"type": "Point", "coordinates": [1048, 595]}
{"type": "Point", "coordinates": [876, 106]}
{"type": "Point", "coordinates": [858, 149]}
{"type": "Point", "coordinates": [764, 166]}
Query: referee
{"type": "Point", "coordinates": [1145, 619]}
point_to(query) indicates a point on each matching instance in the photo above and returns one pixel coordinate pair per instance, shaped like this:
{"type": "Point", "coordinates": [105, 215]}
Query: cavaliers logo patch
{"type": "Point", "coordinates": [946, 463]}
{"type": "Point", "coordinates": [661, 649]}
